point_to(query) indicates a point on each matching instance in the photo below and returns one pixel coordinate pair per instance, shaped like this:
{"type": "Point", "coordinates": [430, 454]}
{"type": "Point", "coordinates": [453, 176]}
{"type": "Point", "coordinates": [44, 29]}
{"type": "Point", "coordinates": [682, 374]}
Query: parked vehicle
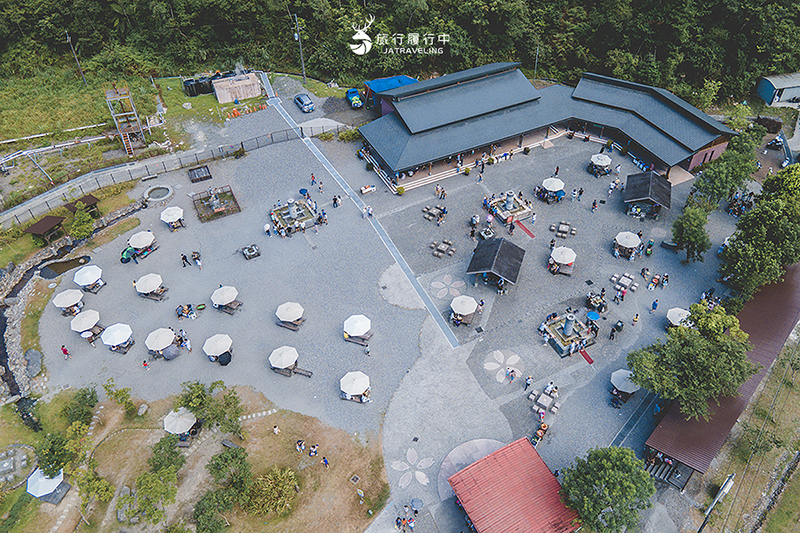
{"type": "Point", "coordinates": [304, 102]}
{"type": "Point", "coordinates": [354, 98]}
{"type": "Point", "coordinates": [775, 144]}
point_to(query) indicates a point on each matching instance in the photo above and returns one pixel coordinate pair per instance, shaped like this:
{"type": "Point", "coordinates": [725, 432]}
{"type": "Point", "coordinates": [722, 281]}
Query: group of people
{"type": "Point", "coordinates": [185, 311]}
{"type": "Point", "coordinates": [739, 203]}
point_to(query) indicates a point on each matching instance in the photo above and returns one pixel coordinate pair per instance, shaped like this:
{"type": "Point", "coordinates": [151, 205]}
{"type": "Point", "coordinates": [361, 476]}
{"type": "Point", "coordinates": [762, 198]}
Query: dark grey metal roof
{"type": "Point", "coordinates": [648, 186]}
{"type": "Point", "coordinates": [448, 79]}
{"type": "Point", "coordinates": [784, 81]}
{"type": "Point", "coordinates": [470, 98]}
{"type": "Point", "coordinates": [498, 256]}
{"type": "Point", "coordinates": [661, 109]}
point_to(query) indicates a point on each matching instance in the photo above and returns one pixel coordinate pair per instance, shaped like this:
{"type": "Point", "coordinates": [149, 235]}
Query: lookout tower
{"type": "Point", "coordinates": [126, 118]}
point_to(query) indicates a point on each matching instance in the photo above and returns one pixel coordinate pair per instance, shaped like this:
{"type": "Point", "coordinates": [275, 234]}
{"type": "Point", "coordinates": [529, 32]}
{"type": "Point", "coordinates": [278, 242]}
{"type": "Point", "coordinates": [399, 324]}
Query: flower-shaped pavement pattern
{"type": "Point", "coordinates": [447, 286]}
{"type": "Point", "coordinates": [414, 468]}
{"type": "Point", "coordinates": [498, 361]}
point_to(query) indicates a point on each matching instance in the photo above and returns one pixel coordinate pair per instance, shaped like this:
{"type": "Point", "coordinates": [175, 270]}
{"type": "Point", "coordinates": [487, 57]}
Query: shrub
{"type": "Point", "coordinates": [349, 135]}
{"type": "Point", "coordinates": [624, 150]}
{"type": "Point", "coordinates": [527, 150]}
{"type": "Point", "coordinates": [82, 224]}
{"type": "Point", "coordinates": [79, 408]}
{"type": "Point", "coordinates": [466, 171]}
{"type": "Point", "coordinates": [166, 453]}
{"type": "Point", "coordinates": [327, 136]}
{"type": "Point", "coordinates": [369, 166]}
{"type": "Point", "coordinates": [773, 125]}
{"type": "Point", "coordinates": [401, 190]}
{"type": "Point", "coordinates": [273, 493]}
{"type": "Point", "coordinates": [490, 161]}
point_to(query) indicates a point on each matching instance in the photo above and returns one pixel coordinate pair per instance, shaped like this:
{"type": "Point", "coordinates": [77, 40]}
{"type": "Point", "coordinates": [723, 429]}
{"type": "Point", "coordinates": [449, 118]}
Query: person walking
{"type": "Point", "coordinates": [635, 319]}
{"type": "Point", "coordinates": [480, 176]}
{"type": "Point", "coordinates": [574, 194]}
{"type": "Point", "coordinates": [66, 353]}
{"type": "Point", "coordinates": [268, 229]}
{"type": "Point", "coordinates": [556, 172]}
{"type": "Point", "coordinates": [313, 451]}
{"type": "Point", "coordinates": [654, 307]}
{"type": "Point", "coordinates": [313, 180]}
{"type": "Point", "coordinates": [528, 382]}
{"type": "Point", "coordinates": [612, 334]}
{"type": "Point", "coordinates": [145, 365]}
{"type": "Point", "coordinates": [300, 445]}
{"type": "Point", "coordinates": [185, 261]}
{"type": "Point", "coordinates": [480, 306]}
{"type": "Point", "coordinates": [320, 187]}
{"type": "Point", "coordinates": [552, 244]}
{"type": "Point", "coordinates": [511, 228]}
{"type": "Point", "coordinates": [616, 297]}
{"type": "Point", "coordinates": [325, 462]}
{"type": "Point", "coordinates": [594, 206]}
{"type": "Point", "coordinates": [276, 430]}
{"type": "Point", "coordinates": [472, 234]}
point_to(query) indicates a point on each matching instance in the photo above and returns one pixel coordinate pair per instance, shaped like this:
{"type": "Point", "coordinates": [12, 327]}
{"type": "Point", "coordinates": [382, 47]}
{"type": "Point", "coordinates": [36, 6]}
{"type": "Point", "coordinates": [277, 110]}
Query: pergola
{"type": "Point", "coordinates": [89, 202]}
{"type": "Point", "coordinates": [46, 228]}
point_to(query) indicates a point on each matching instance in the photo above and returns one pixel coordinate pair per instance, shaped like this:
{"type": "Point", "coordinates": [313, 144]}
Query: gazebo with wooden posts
{"type": "Point", "coordinates": [89, 204]}
{"type": "Point", "coordinates": [46, 228]}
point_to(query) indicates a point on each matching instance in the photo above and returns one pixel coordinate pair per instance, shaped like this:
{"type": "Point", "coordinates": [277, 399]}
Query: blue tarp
{"type": "Point", "coordinates": [384, 84]}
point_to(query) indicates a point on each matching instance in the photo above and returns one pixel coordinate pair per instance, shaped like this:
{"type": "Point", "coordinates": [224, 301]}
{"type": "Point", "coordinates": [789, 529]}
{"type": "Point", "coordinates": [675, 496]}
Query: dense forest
{"type": "Point", "coordinates": [677, 44]}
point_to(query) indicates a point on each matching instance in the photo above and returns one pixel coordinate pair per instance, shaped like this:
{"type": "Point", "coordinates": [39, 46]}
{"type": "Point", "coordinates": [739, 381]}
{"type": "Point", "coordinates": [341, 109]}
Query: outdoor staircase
{"type": "Point", "coordinates": [126, 142]}
{"type": "Point", "coordinates": [661, 472]}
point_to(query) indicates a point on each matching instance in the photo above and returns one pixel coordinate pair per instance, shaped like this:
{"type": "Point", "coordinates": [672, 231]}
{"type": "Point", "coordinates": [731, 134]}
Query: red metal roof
{"type": "Point", "coordinates": [768, 318]}
{"type": "Point", "coordinates": [512, 490]}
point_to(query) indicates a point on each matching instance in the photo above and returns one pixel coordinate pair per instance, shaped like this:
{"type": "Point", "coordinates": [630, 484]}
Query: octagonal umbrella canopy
{"type": "Point", "coordinates": [87, 275]}
{"type": "Point", "coordinates": [676, 315]}
{"type": "Point", "coordinates": [159, 339]}
{"type": "Point", "coordinates": [464, 305]}
{"type": "Point", "coordinates": [224, 295]}
{"type": "Point", "coordinates": [283, 357]}
{"type": "Point", "coordinates": [171, 214]}
{"type": "Point", "coordinates": [41, 485]}
{"type": "Point", "coordinates": [354, 383]}
{"type": "Point", "coordinates": [357, 325]}
{"type": "Point", "coordinates": [84, 320]}
{"type": "Point", "coordinates": [601, 160]}
{"type": "Point", "coordinates": [68, 298]}
{"type": "Point", "coordinates": [143, 239]}
{"type": "Point", "coordinates": [626, 239]}
{"type": "Point", "coordinates": [148, 283]}
{"type": "Point", "coordinates": [621, 379]}
{"type": "Point", "coordinates": [553, 184]}
{"type": "Point", "coordinates": [171, 352]}
{"type": "Point", "coordinates": [117, 334]}
{"type": "Point", "coordinates": [217, 344]}
{"type": "Point", "coordinates": [179, 421]}
{"type": "Point", "coordinates": [563, 255]}
{"type": "Point", "coordinates": [289, 311]}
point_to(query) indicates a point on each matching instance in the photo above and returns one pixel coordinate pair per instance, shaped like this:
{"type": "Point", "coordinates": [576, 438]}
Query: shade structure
{"type": "Point", "coordinates": [179, 421]}
{"type": "Point", "coordinates": [41, 485]}
{"type": "Point", "coordinates": [68, 298]}
{"type": "Point", "coordinates": [289, 311]}
{"type": "Point", "coordinates": [416, 504]}
{"type": "Point", "coordinates": [499, 257]}
{"type": "Point", "coordinates": [357, 325]}
{"type": "Point", "coordinates": [354, 383]}
{"type": "Point", "coordinates": [148, 283]}
{"type": "Point", "coordinates": [601, 160]}
{"type": "Point", "coordinates": [84, 320]}
{"type": "Point", "coordinates": [171, 352]}
{"type": "Point", "coordinates": [676, 315]}
{"type": "Point", "coordinates": [563, 255]}
{"type": "Point", "coordinates": [117, 334]}
{"type": "Point", "coordinates": [224, 358]}
{"type": "Point", "coordinates": [621, 379]}
{"type": "Point", "coordinates": [143, 239]}
{"type": "Point", "coordinates": [464, 305]}
{"type": "Point", "coordinates": [171, 214]}
{"type": "Point", "coordinates": [593, 315]}
{"type": "Point", "coordinates": [87, 275]}
{"type": "Point", "coordinates": [648, 187]}
{"type": "Point", "coordinates": [159, 339]}
{"type": "Point", "coordinates": [224, 295]}
{"type": "Point", "coordinates": [217, 344]}
{"type": "Point", "coordinates": [283, 357]}
{"type": "Point", "coordinates": [626, 239]}
{"type": "Point", "coordinates": [553, 184]}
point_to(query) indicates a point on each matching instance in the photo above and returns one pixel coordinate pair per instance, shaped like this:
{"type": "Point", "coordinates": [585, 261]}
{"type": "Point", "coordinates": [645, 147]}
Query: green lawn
{"type": "Point", "coordinates": [785, 515]}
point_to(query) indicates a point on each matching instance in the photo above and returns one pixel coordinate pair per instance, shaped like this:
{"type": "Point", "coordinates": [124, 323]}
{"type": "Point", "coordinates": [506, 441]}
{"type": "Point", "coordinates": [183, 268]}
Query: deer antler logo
{"type": "Point", "coordinates": [365, 43]}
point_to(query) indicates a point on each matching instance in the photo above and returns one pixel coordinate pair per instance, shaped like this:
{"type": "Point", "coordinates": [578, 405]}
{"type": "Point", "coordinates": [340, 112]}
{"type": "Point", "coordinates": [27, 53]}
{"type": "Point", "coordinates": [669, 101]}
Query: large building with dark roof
{"type": "Point", "coordinates": [469, 110]}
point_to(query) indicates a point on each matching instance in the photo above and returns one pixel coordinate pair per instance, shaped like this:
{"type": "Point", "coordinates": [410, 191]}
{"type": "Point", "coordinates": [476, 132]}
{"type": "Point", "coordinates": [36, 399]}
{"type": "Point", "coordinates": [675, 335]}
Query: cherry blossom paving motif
{"type": "Point", "coordinates": [498, 361]}
{"type": "Point", "coordinates": [447, 286]}
{"type": "Point", "coordinates": [413, 468]}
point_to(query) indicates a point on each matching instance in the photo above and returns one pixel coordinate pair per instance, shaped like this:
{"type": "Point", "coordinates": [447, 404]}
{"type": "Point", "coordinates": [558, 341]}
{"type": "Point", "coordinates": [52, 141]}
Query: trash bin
{"type": "Point", "coordinates": [619, 325]}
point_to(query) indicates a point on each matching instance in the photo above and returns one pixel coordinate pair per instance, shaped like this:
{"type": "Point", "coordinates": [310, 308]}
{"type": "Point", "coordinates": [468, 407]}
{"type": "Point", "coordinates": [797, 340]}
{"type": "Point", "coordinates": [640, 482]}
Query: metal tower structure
{"type": "Point", "coordinates": [126, 118]}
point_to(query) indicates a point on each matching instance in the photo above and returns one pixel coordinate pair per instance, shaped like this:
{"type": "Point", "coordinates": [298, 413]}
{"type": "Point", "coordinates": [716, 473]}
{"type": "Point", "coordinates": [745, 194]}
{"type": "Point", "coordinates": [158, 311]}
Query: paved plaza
{"type": "Point", "coordinates": [434, 387]}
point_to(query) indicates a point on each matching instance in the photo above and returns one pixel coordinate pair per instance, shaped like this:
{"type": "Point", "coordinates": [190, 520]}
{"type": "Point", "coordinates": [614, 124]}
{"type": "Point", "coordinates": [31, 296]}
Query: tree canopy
{"type": "Point", "coordinates": [697, 362]}
{"type": "Point", "coordinates": [689, 233]}
{"type": "Point", "coordinates": [223, 409]}
{"type": "Point", "coordinates": [608, 489]}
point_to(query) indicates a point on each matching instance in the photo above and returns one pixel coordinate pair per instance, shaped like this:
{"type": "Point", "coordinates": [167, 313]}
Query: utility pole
{"type": "Point", "coordinates": [723, 490]}
{"type": "Point", "coordinates": [69, 40]}
{"type": "Point", "coordinates": [299, 39]}
{"type": "Point", "coordinates": [536, 66]}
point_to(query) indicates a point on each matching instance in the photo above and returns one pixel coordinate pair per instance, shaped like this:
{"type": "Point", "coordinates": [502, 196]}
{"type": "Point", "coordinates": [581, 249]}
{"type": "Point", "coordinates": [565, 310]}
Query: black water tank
{"type": "Point", "coordinates": [228, 74]}
{"type": "Point", "coordinates": [204, 85]}
{"type": "Point", "coordinates": [190, 87]}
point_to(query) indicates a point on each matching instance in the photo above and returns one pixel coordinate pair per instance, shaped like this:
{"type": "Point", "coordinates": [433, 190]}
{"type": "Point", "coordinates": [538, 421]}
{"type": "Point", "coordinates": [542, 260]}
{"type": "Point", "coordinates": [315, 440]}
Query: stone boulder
{"type": "Point", "coordinates": [142, 409]}
{"type": "Point", "coordinates": [34, 360]}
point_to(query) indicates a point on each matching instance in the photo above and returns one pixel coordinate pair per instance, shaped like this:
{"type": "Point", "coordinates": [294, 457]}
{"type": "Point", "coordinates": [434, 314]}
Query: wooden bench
{"type": "Point", "coordinates": [184, 444]}
{"type": "Point", "coordinates": [288, 325]}
{"type": "Point", "coordinates": [229, 444]}
{"type": "Point", "coordinates": [356, 340]}
{"type": "Point", "coordinates": [152, 296]}
{"type": "Point", "coordinates": [150, 177]}
{"type": "Point", "coordinates": [282, 371]}
{"type": "Point", "coordinates": [302, 372]}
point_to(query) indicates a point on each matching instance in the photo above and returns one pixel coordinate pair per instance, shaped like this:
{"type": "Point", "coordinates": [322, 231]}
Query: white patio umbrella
{"type": "Point", "coordinates": [84, 320]}
{"type": "Point", "coordinates": [601, 160]}
{"type": "Point", "coordinates": [68, 298]}
{"type": "Point", "coordinates": [224, 295]}
{"type": "Point", "coordinates": [676, 315]}
{"type": "Point", "coordinates": [357, 325]}
{"type": "Point", "coordinates": [563, 255]}
{"type": "Point", "coordinates": [283, 357]}
{"type": "Point", "coordinates": [171, 214]}
{"type": "Point", "coordinates": [143, 239]}
{"type": "Point", "coordinates": [87, 275]}
{"type": "Point", "coordinates": [464, 305]}
{"type": "Point", "coordinates": [179, 421]}
{"type": "Point", "coordinates": [553, 184]}
{"type": "Point", "coordinates": [218, 344]}
{"type": "Point", "coordinates": [148, 283]}
{"type": "Point", "coordinates": [621, 379]}
{"type": "Point", "coordinates": [354, 383]}
{"type": "Point", "coordinates": [289, 311]}
{"type": "Point", "coordinates": [626, 239]}
{"type": "Point", "coordinates": [159, 339]}
{"type": "Point", "coordinates": [41, 485]}
{"type": "Point", "coordinates": [116, 334]}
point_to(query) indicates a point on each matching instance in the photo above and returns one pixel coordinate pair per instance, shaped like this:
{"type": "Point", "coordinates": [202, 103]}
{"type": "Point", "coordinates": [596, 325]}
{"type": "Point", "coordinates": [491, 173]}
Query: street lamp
{"type": "Point", "coordinates": [723, 490]}
{"type": "Point", "coordinates": [299, 38]}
